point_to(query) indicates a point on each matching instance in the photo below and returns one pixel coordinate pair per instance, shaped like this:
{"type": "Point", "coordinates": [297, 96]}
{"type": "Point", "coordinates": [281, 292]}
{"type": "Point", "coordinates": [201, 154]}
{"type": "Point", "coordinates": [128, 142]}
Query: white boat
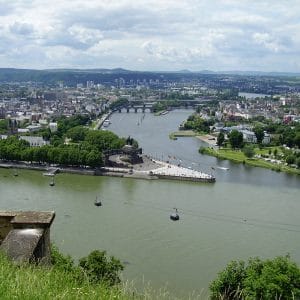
{"type": "Point", "coordinates": [106, 123]}
{"type": "Point", "coordinates": [223, 168]}
{"type": "Point", "coordinates": [165, 112]}
{"type": "Point", "coordinates": [48, 174]}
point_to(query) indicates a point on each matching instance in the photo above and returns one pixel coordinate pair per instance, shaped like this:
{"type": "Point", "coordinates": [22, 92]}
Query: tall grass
{"type": "Point", "coordinates": [35, 282]}
{"type": "Point", "coordinates": [31, 282]}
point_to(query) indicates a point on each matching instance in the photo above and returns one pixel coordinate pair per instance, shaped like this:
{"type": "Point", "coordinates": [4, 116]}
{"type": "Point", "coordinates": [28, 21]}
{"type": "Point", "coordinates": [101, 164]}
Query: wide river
{"type": "Point", "coordinates": [247, 212]}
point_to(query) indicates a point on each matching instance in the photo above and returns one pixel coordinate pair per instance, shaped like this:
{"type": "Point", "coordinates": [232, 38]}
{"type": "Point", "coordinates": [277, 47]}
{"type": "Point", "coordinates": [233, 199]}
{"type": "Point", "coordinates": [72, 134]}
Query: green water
{"type": "Point", "coordinates": [247, 212]}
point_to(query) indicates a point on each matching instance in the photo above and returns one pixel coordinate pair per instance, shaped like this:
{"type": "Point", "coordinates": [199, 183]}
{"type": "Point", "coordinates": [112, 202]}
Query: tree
{"type": "Point", "coordinates": [290, 159]}
{"type": "Point", "coordinates": [298, 162]}
{"type": "Point", "coordinates": [277, 278]}
{"type": "Point", "coordinates": [220, 139]}
{"type": "Point", "coordinates": [297, 139]}
{"type": "Point", "coordinates": [77, 133]}
{"type": "Point", "coordinates": [94, 159]}
{"type": "Point", "coordinates": [236, 139]}
{"type": "Point", "coordinates": [99, 268]}
{"type": "Point", "coordinates": [248, 150]}
{"type": "Point", "coordinates": [228, 284]}
{"type": "Point", "coordinates": [259, 133]}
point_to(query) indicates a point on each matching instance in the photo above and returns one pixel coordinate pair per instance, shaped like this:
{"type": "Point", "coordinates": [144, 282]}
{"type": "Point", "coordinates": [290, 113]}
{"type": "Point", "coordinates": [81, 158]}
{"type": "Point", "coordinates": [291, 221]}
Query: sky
{"type": "Point", "coordinates": [151, 35]}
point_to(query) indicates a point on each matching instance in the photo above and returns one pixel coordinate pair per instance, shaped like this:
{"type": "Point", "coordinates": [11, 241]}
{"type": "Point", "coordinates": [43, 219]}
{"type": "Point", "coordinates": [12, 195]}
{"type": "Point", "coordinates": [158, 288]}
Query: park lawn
{"type": "Point", "coordinates": [265, 150]}
{"type": "Point", "coordinates": [230, 154]}
{"type": "Point", "coordinates": [183, 133]}
{"type": "Point", "coordinates": [239, 157]}
{"type": "Point", "coordinates": [93, 124]}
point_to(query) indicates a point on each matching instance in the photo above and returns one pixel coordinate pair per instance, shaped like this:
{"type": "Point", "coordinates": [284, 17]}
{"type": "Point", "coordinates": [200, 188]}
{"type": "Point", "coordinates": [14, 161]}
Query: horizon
{"type": "Point", "coordinates": [155, 36]}
{"type": "Point", "coordinates": [187, 71]}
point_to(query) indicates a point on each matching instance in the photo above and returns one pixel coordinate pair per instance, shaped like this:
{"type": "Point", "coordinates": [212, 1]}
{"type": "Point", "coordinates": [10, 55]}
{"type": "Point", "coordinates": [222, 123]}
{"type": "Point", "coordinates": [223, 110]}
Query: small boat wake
{"type": "Point", "coordinates": [222, 168]}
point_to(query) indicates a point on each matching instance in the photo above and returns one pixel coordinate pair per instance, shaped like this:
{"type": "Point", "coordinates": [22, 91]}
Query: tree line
{"type": "Point", "coordinates": [85, 146]}
{"type": "Point", "coordinates": [195, 122]}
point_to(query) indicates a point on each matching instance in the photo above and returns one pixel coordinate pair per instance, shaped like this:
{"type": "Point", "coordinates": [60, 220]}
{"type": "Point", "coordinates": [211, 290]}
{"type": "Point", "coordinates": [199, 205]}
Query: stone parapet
{"type": "Point", "coordinates": [25, 235]}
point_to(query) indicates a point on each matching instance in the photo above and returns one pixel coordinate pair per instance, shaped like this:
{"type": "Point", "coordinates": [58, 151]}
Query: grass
{"type": "Point", "coordinates": [31, 282]}
{"type": "Point", "coordinates": [93, 124]}
{"type": "Point", "coordinates": [182, 133]}
{"type": "Point", "coordinates": [239, 157]}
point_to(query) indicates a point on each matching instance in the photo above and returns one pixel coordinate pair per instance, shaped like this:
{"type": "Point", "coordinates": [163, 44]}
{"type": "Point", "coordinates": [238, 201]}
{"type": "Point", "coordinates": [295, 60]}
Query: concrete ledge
{"type": "Point", "coordinates": [20, 244]}
{"type": "Point", "coordinates": [25, 235]}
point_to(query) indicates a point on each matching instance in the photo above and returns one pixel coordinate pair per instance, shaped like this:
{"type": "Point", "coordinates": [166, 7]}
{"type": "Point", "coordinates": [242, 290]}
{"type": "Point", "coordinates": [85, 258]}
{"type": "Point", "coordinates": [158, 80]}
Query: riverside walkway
{"type": "Point", "coordinates": [172, 171]}
{"type": "Point", "coordinates": [155, 169]}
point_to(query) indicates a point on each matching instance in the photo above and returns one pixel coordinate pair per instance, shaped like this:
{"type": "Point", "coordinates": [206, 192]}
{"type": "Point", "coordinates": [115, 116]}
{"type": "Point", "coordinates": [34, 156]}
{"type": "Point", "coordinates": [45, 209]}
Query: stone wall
{"type": "Point", "coordinates": [25, 236]}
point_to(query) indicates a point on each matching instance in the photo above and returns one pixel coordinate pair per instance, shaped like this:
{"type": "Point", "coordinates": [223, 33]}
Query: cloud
{"type": "Point", "coordinates": [268, 41]}
{"type": "Point", "coordinates": [22, 28]}
{"type": "Point", "coordinates": [151, 34]}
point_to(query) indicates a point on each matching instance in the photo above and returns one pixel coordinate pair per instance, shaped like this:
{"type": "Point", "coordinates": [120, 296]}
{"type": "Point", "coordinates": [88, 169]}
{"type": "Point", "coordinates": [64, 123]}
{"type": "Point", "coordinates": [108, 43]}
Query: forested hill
{"type": "Point", "coordinates": [73, 76]}
{"type": "Point", "coordinates": [243, 81]}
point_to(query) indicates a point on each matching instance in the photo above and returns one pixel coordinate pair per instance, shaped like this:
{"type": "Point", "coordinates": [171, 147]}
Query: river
{"type": "Point", "coordinates": [247, 212]}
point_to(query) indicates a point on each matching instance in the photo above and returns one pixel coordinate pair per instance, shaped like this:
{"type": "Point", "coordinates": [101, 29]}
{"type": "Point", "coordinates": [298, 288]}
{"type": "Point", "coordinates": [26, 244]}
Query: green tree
{"type": "Point", "coordinates": [94, 159]}
{"type": "Point", "coordinates": [277, 278]}
{"type": "Point", "coordinates": [297, 139]}
{"type": "Point", "coordinates": [236, 139]}
{"type": "Point", "coordinates": [259, 133]}
{"type": "Point", "coordinates": [290, 159]}
{"type": "Point", "coordinates": [229, 283]}
{"type": "Point", "coordinates": [248, 150]}
{"type": "Point", "coordinates": [99, 268]}
{"type": "Point", "coordinates": [3, 126]}
{"type": "Point", "coordinates": [220, 139]}
{"type": "Point", "coordinates": [77, 133]}
{"type": "Point", "coordinates": [298, 162]}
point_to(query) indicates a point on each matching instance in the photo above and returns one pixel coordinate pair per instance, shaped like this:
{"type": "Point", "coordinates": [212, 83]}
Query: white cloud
{"type": "Point", "coordinates": [269, 42]}
{"type": "Point", "coordinates": [189, 34]}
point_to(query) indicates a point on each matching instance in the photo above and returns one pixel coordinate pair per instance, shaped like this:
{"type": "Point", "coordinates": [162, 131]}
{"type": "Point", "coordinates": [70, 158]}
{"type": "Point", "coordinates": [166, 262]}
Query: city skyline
{"type": "Point", "coordinates": [170, 35]}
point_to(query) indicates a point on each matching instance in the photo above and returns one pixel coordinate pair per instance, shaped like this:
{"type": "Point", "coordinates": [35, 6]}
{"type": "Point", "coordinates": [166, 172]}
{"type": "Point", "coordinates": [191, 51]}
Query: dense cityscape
{"type": "Point", "coordinates": [222, 103]}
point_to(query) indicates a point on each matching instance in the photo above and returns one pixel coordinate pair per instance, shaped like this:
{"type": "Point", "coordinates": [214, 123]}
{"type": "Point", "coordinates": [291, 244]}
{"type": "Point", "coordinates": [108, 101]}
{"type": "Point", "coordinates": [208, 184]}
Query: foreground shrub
{"type": "Point", "coordinates": [96, 267]}
{"type": "Point", "coordinates": [270, 279]}
{"type": "Point", "coordinates": [99, 268]}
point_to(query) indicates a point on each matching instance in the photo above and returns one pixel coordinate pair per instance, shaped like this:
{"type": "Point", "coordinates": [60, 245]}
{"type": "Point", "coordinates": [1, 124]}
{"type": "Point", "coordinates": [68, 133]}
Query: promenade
{"type": "Point", "coordinates": [155, 169]}
{"type": "Point", "coordinates": [149, 169]}
{"type": "Point", "coordinates": [170, 171]}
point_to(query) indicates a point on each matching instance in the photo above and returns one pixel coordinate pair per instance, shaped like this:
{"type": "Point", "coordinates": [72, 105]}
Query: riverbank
{"type": "Point", "coordinates": [155, 169]}
{"type": "Point", "coordinates": [181, 133]}
{"type": "Point", "coordinates": [238, 156]}
{"type": "Point", "coordinates": [150, 169]}
{"type": "Point", "coordinates": [207, 138]}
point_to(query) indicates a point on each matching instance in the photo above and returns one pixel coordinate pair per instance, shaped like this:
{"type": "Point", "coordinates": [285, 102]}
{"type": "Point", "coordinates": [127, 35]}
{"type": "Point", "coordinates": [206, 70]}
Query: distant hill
{"type": "Point", "coordinates": [108, 76]}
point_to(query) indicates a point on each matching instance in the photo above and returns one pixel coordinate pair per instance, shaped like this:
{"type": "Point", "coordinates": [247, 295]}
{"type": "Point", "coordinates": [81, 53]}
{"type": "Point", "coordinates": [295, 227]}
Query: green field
{"type": "Point", "coordinates": [183, 133]}
{"type": "Point", "coordinates": [239, 157]}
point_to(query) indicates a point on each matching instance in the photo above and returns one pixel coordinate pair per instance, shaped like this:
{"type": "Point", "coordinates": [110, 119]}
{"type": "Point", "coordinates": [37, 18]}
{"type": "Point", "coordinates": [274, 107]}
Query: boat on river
{"type": "Point", "coordinates": [48, 174]}
{"type": "Point", "coordinates": [106, 123]}
{"type": "Point", "coordinates": [223, 168]}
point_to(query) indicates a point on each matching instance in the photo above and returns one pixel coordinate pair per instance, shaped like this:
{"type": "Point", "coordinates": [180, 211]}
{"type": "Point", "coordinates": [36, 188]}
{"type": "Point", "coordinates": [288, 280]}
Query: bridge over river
{"type": "Point", "coordinates": [143, 106]}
